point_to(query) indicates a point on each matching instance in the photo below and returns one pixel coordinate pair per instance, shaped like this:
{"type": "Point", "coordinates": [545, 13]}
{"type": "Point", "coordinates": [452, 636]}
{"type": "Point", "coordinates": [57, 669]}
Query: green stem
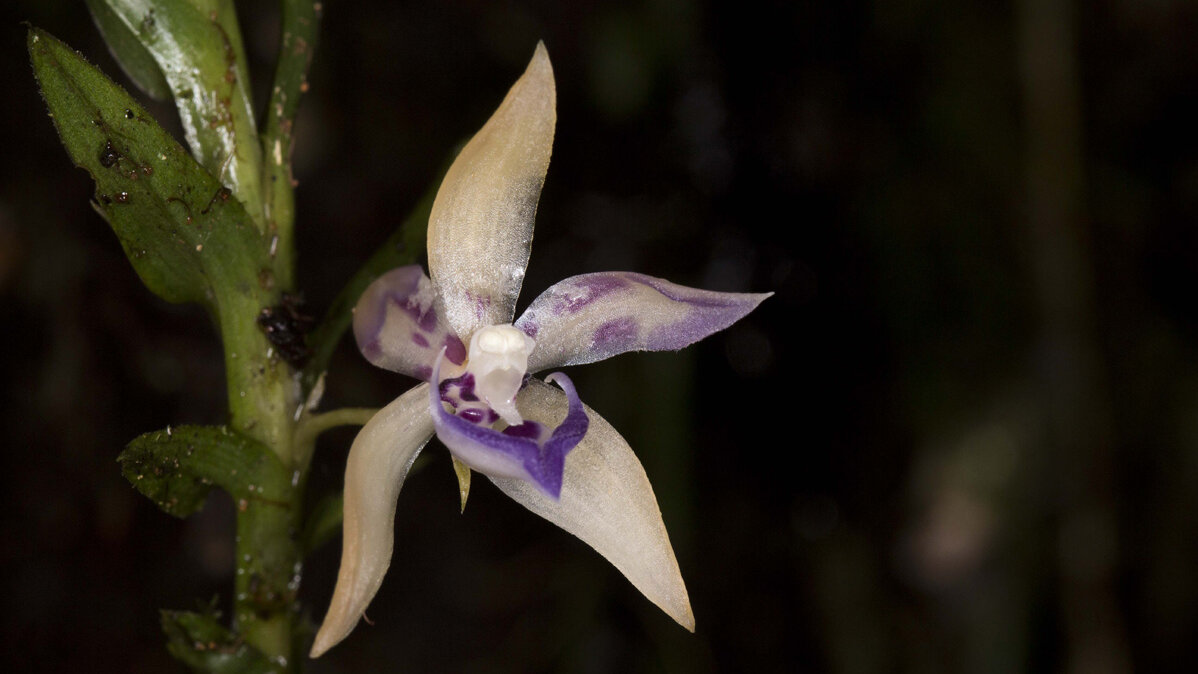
{"type": "Point", "coordinates": [264, 395]}
{"type": "Point", "coordinates": [263, 398]}
{"type": "Point", "coordinates": [301, 21]}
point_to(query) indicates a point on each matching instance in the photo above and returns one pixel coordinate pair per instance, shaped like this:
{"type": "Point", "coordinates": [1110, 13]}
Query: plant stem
{"type": "Point", "coordinates": [263, 390]}
{"type": "Point", "coordinates": [300, 24]}
{"type": "Point", "coordinates": [263, 396]}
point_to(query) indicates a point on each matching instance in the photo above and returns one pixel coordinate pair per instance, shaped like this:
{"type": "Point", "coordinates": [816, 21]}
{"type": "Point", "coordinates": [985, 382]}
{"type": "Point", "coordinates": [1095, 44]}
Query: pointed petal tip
{"type": "Point", "coordinates": [540, 59]}
{"type": "Point", "coordinates": [321, 645]}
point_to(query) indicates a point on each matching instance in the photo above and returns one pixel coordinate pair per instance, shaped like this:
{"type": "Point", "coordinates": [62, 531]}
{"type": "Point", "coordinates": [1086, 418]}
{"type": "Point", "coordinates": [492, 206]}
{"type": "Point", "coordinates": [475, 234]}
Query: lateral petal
{"type": "Point", "coordinates": [378, 462]}
{"type": "Point", "coordinates": [606, 501]}
{"type": "Point", "coordinates": [399, 324]}
{"type": "Point", "coordinates": [591, 317]}
{"type": "Point", "coordinates": [480, 228]}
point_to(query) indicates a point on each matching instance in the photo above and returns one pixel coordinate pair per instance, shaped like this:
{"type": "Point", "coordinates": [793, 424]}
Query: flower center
{"type": "Point", "coordinates": [498, 359]}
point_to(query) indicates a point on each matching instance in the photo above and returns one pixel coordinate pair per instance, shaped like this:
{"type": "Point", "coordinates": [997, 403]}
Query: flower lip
{"type": "Point", "coordinates": [526, 451]}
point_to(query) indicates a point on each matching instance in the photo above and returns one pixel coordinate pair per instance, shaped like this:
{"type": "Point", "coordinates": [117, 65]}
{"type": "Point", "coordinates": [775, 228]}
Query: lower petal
{"type": "Point", "coordinates": [378, 462]}
{"type": "Point", "coordinates": [606, 501]}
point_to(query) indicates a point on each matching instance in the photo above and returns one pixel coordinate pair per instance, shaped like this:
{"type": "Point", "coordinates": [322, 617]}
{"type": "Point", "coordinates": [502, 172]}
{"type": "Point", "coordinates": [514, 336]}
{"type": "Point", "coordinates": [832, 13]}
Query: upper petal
{"type": "Point", "coordinates": [480, 228]}
{"type": "Point", "coordinates": [591, 317]}
{"type": "Point", "coordinates": [378, 461]}
{"type": "Point", "coordinates": [606, 501]}
{"type": "Point", "coordinates": [399, 324]}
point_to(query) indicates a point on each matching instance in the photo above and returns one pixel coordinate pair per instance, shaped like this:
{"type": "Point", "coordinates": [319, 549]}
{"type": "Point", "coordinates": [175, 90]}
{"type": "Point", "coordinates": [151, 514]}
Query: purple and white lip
{"type": "Point", "coordinates": [527, 450]}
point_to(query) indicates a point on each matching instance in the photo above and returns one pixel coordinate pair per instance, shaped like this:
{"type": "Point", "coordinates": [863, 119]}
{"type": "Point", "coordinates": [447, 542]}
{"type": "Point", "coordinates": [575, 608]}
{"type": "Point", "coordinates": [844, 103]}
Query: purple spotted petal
{"type": "Point", "coordinates": [399, 324]}
{"type": "Point", "coordinates": [480, 227]}
{"type": "Point", "coordinates": [520, 451]}
{"type": "Point", "coordinates": [591, 317]}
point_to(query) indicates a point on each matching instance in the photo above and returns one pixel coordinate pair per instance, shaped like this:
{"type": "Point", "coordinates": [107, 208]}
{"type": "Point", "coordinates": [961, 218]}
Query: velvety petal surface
{"type": "Point", "coordinates": [399, 324]}
{"type": "Point", "coordinates": [528, 452]}
{"type": "Point", "coordinates": [606, 501]}
{"type": "Point", "coordinates": [480, 228]}
{"type": "Point", "coordinates": [378, 461]}
{"type": "Point", "coordinates": [591, 317]}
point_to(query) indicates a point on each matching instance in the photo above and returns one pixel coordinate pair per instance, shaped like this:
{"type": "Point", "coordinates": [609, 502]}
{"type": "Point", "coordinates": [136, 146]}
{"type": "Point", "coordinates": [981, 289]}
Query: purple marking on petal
{"type": "Point", "coordinates": [424, 373]}
{"type": "Point", "coordinates": [478, 415]}
{"type": "Point", "coordinates": [399, 285]}
{"type": "Point", "coordinates": [616, 334]}
{"type": "Point", "coordinates": [455, 351]}
{"type": "Point", "coordinates": [464, 386]}
{"type": "Point", "coordinates": [530, 328]}
{"type": "Point", "coordinates": [707, 299]}
{"type": "Point", "coordinates": [428, 322]}
{"type": "Point", "coordinates": [529, 429]}
{"type": "Point", "coordinates": [587, 289]}
{"type": "Point", "coordinates": [711, 311]}
{"type": "Point", "coordinates": [506, 455]}
{"type": "Point", "coordinates": [397, 323]}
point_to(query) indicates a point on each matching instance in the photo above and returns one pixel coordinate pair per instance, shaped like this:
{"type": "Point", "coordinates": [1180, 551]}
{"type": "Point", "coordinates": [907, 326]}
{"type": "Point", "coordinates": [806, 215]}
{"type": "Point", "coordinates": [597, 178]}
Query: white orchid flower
{"type": "Point", "coordinates": [538, 444]}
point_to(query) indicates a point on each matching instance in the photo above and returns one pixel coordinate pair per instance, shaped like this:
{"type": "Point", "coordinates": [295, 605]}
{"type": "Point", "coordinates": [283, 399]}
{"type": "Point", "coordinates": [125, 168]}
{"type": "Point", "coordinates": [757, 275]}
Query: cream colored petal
{"type": "Point", "coordinates": [378, 462]}
{"type": "Point", "coordinates": [480, 228]}
{"type": "Point", "coordinates": [607, 502]}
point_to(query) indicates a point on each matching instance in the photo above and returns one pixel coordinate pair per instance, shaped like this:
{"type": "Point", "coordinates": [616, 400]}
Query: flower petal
{"type": "Point", "coordinates": [591, 317]}
{"type": "Point", "coordinates": [480, 228]}
{"type": "Point", "coordinates": [606, 501]}
{"type": "Point", "coordinates": [522, 452]}
{"type": "Point", "coordinates": [378, 462]}
{"type": "Point", "coordinates": [399, 324]}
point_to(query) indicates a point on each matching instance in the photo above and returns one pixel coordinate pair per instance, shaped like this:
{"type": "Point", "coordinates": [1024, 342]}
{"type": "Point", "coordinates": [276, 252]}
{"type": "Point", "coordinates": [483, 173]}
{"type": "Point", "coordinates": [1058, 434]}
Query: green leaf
{"type": "Point", "coordinates": [197, 46]}
{"type": "Point", "coordinates": [133, 58]}
{"type": "Point", "coordinates": [199, 641]}
{"type": "Point", "coordinates": [176, 468]}
{"type": "Point", "coordinates": [186, 238]}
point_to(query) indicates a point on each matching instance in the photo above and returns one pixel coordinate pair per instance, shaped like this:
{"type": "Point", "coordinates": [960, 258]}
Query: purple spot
{"type": "Point", "coordinates": [464, 386]}
{"type": "Point", "coordinates": [424, 372]}
{"type": "Point", "coordinates": [615, 334]}
{"type": "Point", "coordinates": [454, 350]}
{"type": "Point", "coordinates": [530, 329]}
{"type": "Point", "coordinates": [481, 304]}
{"type": "Point", "coordinates": [529, 429]}
{"type": "Point", "coordinates": [478, 415]}
{"type": "Point", "coordinates": [419, 340]}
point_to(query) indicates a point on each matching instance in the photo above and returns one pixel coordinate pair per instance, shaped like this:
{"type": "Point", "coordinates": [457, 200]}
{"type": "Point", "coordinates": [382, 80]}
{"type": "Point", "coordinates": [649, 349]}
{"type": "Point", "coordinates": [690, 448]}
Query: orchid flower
{"type": "Point", "coordinates": [538, 443]}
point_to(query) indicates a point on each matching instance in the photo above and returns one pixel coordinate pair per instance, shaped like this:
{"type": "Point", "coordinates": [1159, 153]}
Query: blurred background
{"type": "Point", "coordinates": [962, 436]}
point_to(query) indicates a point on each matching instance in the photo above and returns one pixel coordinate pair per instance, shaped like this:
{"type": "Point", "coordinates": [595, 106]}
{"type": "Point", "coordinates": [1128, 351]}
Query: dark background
{"type": "Point", "coordinates": [962, 436]}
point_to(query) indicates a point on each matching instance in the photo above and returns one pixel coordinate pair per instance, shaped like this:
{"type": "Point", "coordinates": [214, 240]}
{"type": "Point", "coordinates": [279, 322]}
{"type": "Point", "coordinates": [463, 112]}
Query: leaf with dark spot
{"type": "Point", "coordinates": [176, 468]}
